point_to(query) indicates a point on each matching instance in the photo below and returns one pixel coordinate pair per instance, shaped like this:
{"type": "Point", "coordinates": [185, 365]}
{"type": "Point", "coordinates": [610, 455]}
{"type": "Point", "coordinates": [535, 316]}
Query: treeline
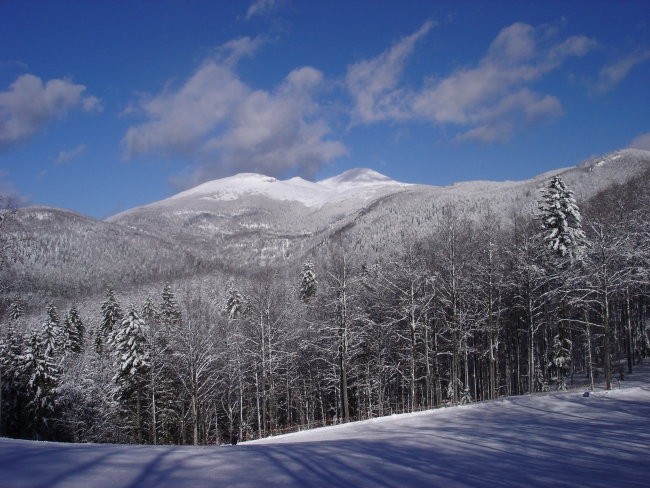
{"type": "Point", "coordinates": [481, 308]}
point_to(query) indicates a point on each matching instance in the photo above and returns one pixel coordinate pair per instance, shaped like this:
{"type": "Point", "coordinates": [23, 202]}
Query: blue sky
{"type": "Point", "coordinates": [108, 105]}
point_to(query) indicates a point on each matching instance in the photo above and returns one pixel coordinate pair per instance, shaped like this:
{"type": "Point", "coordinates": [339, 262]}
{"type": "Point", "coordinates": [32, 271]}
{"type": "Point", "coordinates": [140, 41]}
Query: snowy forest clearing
{"type": "Point", "coordinates": [558, 439]}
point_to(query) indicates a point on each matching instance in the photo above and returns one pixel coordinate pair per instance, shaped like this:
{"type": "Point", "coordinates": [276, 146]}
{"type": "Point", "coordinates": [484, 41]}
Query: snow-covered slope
{"type": "Point", "coordinates": [556, 439]}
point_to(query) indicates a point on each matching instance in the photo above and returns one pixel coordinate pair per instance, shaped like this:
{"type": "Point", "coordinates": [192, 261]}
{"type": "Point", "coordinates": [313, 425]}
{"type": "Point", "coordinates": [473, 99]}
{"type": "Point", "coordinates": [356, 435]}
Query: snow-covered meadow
{"type": "Point", "coordinates": [552, 439]}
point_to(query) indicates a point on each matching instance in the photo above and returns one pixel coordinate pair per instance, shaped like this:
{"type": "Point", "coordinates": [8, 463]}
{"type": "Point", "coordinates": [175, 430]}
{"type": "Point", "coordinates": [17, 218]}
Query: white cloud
{"type": "Point", "coordinates": [29, 104]}
{"type": "Point", "coordinates": [178, 120]}
{"type": "Point", "coordinates": [486, 101]}
{"type": "Point", "coordinates": [641, 142]}
{"type": "Point", "coordinates": [612, 74]}
{"type": "Point", "coordinates": [373, 83]}
{"type": "Point", "coordinates": [233, 51]}
{"type": "Point", "coordinates": [281, 131]}
{"type": "Point", "coordinates": [69, 155]}
{"type": "Point", "coordinates": [492, 96]}
{"type": "Point", "coordinates": [260, 7]}
{"type": "Point", "coordinates": [227, 126]}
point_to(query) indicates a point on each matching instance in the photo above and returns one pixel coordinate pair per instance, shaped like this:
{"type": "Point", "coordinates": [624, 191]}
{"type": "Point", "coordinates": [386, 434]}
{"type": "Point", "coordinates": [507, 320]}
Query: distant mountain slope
{"type": "Point", "coordinates": [70, 254]}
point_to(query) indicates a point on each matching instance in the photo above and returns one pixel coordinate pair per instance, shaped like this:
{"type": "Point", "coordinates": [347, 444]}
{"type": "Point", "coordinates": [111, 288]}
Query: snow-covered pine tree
{"type": "Point", "coordinates": [73, 331]}
{"type": "Point", "coordinates": [561, 220]}
{"type": "Point", "coordinates": [16, 308]}
{"type": "Point", "coordinates": [52, 333]}
{"type": "Point", "coordinates": [234, 303]}
{"type": "Point", "coordinates": [561, 360]}
{"type": "Point", "coordinates": [170, 314]}
{"type": "Point", "coordinates": [131, 361]}
{"type": "Point", "coordinates": [15, 395]}
{"type": "Point", "coordinates": [42, 376]}
{"type": "Point", "coordinates": [130, 352]}
{"type": "Point", "coordinates": [149, 312]}
{"type": "Point", "coordinates": [308, 283]}
{"type": "Point", "coordinates": [111, 315]}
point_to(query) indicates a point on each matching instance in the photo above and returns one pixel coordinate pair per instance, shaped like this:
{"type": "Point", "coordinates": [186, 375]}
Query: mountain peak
{"type": "Point", "coordinates": [358, 177]}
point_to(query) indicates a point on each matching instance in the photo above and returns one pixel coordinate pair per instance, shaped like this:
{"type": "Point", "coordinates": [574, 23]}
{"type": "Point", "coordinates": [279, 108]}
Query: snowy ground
{"type": "Point", "coordinates": [543, 440]}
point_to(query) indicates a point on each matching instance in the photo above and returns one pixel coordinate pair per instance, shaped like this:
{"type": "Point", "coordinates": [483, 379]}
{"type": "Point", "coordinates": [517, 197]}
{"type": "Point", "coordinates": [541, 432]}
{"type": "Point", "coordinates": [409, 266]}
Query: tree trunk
{"type": "Point", "coordinates": [590, 363]}
{"type": "Point", "coordinates": [344, 385]}
{"type": "Point", "coordinates": [628, 318]}
{"type": "Point", "coordinates": [531, 348]}
{"type": "Point", "coordinates": [195, 419]}
{"type": "Point", "coordinates": [414, 400]}
{"type": "Point", "coordinates": [154, 420]}
{"type": "Point", "coordinates": [606, 346]}
{"type": "Point", "coordinates": [138, 414]}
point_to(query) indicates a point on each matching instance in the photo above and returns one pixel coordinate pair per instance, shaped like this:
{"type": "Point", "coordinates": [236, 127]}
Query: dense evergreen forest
{"type": "Point", "coordinates": [485, 306]}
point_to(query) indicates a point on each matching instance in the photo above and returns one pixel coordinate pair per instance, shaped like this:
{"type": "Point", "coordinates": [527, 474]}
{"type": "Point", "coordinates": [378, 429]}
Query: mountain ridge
{"type": "Point", "coordinates": [339, 187]}
{"type": "Point", "coordinates": [197, 232]}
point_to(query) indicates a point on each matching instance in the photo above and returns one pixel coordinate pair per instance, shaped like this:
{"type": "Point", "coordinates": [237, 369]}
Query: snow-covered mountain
{"type": "Point", "coordinates": [359, 185]}
{"type": "Point", "coordinates": [259, 219]}
{"type": "Point", "coordinates": [249, 219]}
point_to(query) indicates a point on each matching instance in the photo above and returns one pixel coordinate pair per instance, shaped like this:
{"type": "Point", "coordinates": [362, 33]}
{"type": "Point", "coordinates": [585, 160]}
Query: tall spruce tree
{"type": "Point", "coordinates": [561, 361]}
{"type": "Point", "coordinates": [308, 283]}
{"type": "Point", "coordinates": [52, 333]}
{"type": "Point", "coordinates": [131, 361]}
{"type": "Point", "coordinates": [565, 240]}
{"type": "Point", "coordinates": [234, 305]}
{"type": "Point", "coordinates": [561, 220]}
{"type": "Point", "coordinates": [16, 308]}
{"type": "Point", "coordinates": [42, 376]}
{"type": "Point", "coordinates": [170, 314]}
{"type": "Point", "coordinates": [111, 315]}
{"type": "Point", "coordinates": [73, 330]}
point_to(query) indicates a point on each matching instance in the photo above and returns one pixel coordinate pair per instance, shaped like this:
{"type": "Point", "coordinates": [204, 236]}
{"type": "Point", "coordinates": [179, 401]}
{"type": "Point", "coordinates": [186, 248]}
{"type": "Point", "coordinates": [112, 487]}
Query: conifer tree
{"type": "Point", "coordinates": [561, 358]}
{"type": "Point", "coordinates": [73, 331]}
{"type": "Point", "coordinates": [131, 358]}
{"type": "Point", "coordinates": [308, 284]}
{"type": "Point", "coordinates": [111, 315]}
{"type": "Point", "coordinates": [42, 375]}
{"type": "Point", "coordinates": [561, 220]}
{"type": "Point", "coordinates": [169, 312]}
{"type": "Point", "coordinates": [234, 303]}
{"type": "Point", "coordinates": [52, 333]}
{"type": "Point", "coordinates": [131, 361]}
{"type": "Point", "coordinates": [16, 309]}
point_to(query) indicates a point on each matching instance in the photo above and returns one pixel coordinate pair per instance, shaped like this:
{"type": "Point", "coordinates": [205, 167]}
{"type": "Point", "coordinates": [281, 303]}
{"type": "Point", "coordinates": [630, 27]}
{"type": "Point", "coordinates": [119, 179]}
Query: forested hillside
{"type": "Point", "coordinates": [420, 298]}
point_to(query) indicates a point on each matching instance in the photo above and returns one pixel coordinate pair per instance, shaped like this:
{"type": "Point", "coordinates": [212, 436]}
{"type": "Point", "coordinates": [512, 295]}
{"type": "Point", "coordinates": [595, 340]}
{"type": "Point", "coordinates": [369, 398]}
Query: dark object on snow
{"type": "Point", "coordinates": [585, 394]}
{"type": "Point", "coordinates": [234, 437]}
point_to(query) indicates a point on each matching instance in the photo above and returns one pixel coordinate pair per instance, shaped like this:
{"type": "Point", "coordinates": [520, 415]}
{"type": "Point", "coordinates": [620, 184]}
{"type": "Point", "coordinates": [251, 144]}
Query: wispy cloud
{"type": "Point", "coordinates": [260, 7]}
{"type": "Point", "coordinates": [612, 74]}
{"type": "Point", "coordinates": [485, 102]}
{"type": "Point", "coordinates": [69, 155]}
{"type": "Point", "coordinates": [228, 126]}
{"type": "Point", "coordinates": [373, 84]}
{"type": "Point", "coordinates": [29, 104]}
